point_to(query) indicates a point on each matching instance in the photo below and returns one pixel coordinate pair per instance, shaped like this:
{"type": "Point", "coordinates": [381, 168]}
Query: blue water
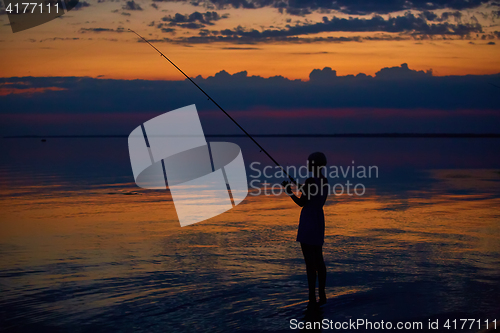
{"type": "Point", "coordinates": [82, 249]}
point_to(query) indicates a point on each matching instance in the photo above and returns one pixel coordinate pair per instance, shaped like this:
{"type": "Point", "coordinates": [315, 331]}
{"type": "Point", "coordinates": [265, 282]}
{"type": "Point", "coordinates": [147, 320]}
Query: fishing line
{"type": "Point", "coordinates": [210, 98]}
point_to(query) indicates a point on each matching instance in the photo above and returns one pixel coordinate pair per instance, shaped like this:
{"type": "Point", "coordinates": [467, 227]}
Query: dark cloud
{"type": "Point", "coordinates": [322, 75]}
{"type": "Point", "coordinates": [448, 15]}
{"type": "Point", "coordinates": [431, 16]}
{"type": "Point", "coordinates": [190, 25]}
{"type": "Point", "coordinates": [58, 38]}
{"type": "Point", "coordinates": [450, 103]}
{"type": "Point", "coordinates": [155, 6]}
{"type": "Point", "coordinates": [491, 43]}
{"type": "Point", "coordinates": [194, 20]}
{"type": "Point", "coordinates": [492, 35]}
{"type": "Point", "coordinates": [326, 75]}
{"type": "Point", "coordinates": [295, 11]}
{"type": "Point", "coordinates": [211, 37]}
{"type": "Point", "coordinates": [408, 24]}
{"type": "Point", "coordinates": [83, 30]}
{"type": "Point", "coordinates": [358, 7]}
{"type": "Point", "coordinates": [96, 30]}
{"type": "Point", "coordinates": [131, 5]}
{"type": "Point", "coordinates": [81, 4]}
{"type": "Point", "coordinates": [255, 40]}
{"type": "Point", "coordinates": [401, 73]}
{"type": "Point", "coordinates": [248, 4]}
{"type": "Point", "coordinates": [390, 87]}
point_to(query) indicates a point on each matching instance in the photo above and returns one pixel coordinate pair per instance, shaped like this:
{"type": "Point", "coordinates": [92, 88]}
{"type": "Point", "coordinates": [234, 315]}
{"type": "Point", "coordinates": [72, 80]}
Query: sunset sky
{"type": "Point", "coordinates": [398, 66]}
{"type": "Point", "coordinates": [265, 38]}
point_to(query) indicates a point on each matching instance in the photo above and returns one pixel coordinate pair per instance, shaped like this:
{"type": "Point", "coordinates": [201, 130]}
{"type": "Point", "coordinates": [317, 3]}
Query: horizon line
{"type": "Point", "coordinates": [119, 78]}
{"type": "Point", "coordinates": [336, 135]}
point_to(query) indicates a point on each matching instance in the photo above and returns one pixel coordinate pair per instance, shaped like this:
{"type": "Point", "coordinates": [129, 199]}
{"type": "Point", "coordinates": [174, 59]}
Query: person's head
{"type": "Point", "coordinates": [316, 161]}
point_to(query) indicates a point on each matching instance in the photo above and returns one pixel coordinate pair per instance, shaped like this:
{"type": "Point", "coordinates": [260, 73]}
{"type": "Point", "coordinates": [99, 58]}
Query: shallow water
{"type": "Point", "coordinates": [83, 249]}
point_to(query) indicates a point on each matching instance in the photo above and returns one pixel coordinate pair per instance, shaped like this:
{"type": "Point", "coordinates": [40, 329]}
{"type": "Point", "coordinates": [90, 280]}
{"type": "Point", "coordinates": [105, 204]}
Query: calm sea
{"type": "Point", "coordinates": [83, 249]}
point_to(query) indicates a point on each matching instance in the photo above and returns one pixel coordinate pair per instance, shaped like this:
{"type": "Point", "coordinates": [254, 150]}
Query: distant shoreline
{"type": "Point", "coordinates": [339, 135]}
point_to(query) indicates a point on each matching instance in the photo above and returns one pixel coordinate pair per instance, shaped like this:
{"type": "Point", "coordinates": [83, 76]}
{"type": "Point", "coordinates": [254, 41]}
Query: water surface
{"type": "Point", "coordinates": [83, 249]}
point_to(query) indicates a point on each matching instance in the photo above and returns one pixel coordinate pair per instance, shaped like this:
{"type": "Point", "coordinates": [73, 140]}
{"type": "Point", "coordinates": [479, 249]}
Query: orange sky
{"type": "Point", "coordinates": [34, 52]}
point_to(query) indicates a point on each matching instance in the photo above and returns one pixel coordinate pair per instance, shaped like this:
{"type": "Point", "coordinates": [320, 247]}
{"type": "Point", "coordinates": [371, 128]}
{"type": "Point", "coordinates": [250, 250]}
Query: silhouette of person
{"type": "Point", "coordinates": [311, 231]}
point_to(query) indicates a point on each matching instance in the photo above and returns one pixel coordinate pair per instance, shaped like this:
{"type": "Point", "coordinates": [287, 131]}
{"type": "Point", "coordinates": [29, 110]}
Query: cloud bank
{"type": "Point", "coordinates": [397, 99]}
{"type": "Point", "coordinates": [358, 7]}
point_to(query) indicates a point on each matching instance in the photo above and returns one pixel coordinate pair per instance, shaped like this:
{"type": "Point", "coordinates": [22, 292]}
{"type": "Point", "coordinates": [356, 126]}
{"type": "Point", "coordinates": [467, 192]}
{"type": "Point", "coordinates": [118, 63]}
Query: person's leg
{"type": "Point", "coordinates": [308, 252]}
{"type": "Point", "coordinates": [321, 267]}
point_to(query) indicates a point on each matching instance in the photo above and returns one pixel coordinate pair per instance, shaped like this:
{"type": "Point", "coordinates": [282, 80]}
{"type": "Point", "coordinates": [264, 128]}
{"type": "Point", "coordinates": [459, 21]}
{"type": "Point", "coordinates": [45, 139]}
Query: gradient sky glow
{"type": "Point", "coordinates": [279, 66]}
{"type": "Point", "coordinates": [266, 41]}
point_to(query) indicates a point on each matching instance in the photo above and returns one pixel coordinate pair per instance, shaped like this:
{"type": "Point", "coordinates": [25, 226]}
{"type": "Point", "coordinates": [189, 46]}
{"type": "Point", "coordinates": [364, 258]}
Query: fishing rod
{"type": "Point", "coordinates": [211, 99]}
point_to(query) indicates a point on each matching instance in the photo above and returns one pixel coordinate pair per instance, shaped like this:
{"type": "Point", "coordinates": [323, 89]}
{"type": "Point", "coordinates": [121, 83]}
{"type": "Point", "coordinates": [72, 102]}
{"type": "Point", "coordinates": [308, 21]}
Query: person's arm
{"type": "Point", "coordinates": [303, 199]}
